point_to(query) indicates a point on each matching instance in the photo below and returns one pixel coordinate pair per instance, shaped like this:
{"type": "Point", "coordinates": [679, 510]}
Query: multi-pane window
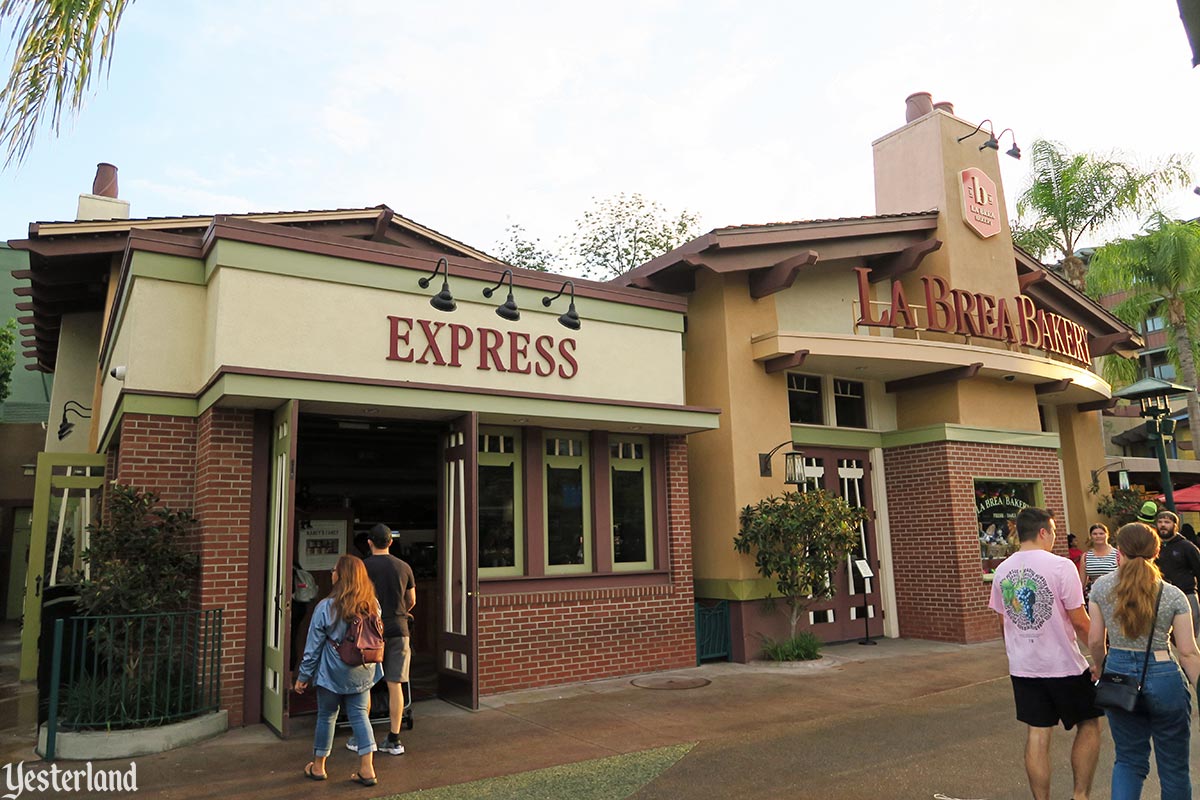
{"type": "Point", "coordinates": [805, 402]}
{"type": "Point", "coordinates": [629, 465]}
{"type": "Point", "coordinates": [849, 404]}
{"type": "Point", "coordinates": [567, 495]}
{"type": "Point", "coordinates": [501, 517]}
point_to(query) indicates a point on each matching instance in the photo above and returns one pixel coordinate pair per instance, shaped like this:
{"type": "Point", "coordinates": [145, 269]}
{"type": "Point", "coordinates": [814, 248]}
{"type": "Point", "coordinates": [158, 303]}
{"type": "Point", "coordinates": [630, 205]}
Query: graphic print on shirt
{"type": "Point", "coordinates": [1027, 599]}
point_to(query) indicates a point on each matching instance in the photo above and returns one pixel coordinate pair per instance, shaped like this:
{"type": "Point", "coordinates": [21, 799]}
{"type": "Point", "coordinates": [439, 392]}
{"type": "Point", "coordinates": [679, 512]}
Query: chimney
{"type": "Point", "coordinates": [102, 203]}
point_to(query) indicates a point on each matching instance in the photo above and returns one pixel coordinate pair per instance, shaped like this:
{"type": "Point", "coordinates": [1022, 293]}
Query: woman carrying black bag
{"type": "Point", "coordinates": [1123, 604]}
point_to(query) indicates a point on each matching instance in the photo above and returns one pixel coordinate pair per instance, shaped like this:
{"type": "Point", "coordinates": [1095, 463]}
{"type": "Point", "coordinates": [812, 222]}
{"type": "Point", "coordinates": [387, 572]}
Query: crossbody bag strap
{"type": "Point", "coordinates": [1150, 638]}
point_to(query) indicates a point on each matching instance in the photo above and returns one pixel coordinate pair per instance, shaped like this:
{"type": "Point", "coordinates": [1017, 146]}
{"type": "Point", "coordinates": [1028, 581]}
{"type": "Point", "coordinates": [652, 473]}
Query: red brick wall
{"type": "Point", "coordinates": [204, 465]}
{"type": "Point", "coordinates": [544, 638]}
{"type": "Point", "coordinates": [940, 591]}
{"type": "Point", "coordinates": [223, 473]}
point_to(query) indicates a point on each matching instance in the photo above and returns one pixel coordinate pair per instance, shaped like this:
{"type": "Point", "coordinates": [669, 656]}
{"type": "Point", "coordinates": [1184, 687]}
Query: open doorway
{"type": "Point", "coordinates": [352, 473]}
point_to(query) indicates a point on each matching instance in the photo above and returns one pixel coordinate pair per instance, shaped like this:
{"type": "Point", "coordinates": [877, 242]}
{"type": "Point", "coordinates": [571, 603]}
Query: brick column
{"type": "Point", "coordinates": [940, 590]}
{"type": "Point", "coordinates": [223, 475]}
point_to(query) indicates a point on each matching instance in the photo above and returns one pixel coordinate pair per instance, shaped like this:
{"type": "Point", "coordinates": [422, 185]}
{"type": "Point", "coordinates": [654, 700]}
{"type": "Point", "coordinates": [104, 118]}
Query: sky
{"type": "Point", "coordinates": [469, 117]}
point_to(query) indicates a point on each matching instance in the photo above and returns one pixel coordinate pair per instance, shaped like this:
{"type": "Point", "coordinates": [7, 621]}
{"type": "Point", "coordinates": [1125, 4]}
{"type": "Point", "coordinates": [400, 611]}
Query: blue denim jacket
{"type": "Point", "coordinates": [323, 666]}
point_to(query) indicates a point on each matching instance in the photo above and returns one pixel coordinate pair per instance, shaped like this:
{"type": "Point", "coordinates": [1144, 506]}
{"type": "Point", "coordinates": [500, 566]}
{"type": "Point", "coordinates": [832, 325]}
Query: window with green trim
{"type": "Point", "coordinates": [632, 525]}
{"type": "Point", "coordinates": [566, 493]}
{"type": "Point", "coordinates": [501, 511]}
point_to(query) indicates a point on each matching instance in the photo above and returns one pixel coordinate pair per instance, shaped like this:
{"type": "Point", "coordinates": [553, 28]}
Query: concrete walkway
{"type": "Point", "coordinates": [901, 719]}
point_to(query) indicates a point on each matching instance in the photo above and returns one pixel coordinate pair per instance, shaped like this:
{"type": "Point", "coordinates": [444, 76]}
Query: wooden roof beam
{"type": "Point", "coordinates": [1098, 405]}
{"type": "Point", "coordinates": [952, 375]}
{"type": "Point", "coordinates": [764, 282]}
{"type": "Point", "coordinates": [1109, 343]}
{"type": "Point", "coordinates": [381, 225]}
{"type": "Point", "coordinates": [899, 264]}
{"type": "Point", "coordinates": [1053, 387]}
{"type": "Point", "coordinates": [781, 363]}
{"type": "Point", "coordinates": [1030, 278]}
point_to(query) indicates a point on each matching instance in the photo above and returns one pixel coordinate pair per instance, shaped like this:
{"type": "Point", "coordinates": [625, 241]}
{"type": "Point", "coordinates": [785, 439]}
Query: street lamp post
{"type": "Point", "coordinates": [1154, 396]}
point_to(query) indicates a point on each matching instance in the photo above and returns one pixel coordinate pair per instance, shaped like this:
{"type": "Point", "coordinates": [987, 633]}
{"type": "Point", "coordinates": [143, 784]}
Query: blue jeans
{"type": "Point", "coordinates": [1164, 713]}
{"type": "Point", "coordinates": [328, 704]}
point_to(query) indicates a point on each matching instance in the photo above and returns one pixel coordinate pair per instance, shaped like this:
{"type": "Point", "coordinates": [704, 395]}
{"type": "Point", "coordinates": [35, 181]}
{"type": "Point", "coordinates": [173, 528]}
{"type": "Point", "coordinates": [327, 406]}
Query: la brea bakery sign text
{"type": "Point", "coordinates": [1015, 320]}
{"type": "Point", "coordinates": [442, 344]}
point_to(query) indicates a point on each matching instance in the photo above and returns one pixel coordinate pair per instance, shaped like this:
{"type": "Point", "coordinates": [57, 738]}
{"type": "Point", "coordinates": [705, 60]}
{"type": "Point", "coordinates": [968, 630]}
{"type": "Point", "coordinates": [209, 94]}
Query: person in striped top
{"type": "Point", "coordinates": [1100, 560]}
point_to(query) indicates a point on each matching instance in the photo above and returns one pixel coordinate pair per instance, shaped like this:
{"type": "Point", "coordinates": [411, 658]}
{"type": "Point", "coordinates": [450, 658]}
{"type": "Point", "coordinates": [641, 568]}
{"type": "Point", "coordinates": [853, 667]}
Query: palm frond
{"type": "Point", "coordinates": [59, 46]}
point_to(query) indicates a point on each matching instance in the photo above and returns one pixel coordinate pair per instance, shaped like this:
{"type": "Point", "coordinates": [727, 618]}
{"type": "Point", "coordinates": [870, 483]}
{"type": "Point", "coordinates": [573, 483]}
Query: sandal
{"type": "Point", "coordinates": [313, 776]}
{"type": "Point", "coordinates": [371, 781]}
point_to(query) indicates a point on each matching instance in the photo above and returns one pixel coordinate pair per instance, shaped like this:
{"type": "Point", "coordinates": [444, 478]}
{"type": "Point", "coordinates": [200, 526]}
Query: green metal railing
{"type": "Point", "coordinates": [712, 630]}
{"type": "Point", "coordinates": [133, 671]}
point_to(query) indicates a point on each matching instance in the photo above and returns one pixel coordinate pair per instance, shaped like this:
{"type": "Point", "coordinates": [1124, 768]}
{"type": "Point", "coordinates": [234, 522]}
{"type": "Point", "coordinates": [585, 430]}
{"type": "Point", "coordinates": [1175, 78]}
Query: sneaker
{"type": "Point", "coordinates": [393, 746]}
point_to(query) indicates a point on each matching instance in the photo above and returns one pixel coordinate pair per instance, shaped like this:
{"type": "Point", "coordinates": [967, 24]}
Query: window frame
{"type": "Point", "coordinates": [568, 461]}
{"type": "Point", "coordinates": [517, 457]}
{"type": "Point", "coordinates": [645, 466]}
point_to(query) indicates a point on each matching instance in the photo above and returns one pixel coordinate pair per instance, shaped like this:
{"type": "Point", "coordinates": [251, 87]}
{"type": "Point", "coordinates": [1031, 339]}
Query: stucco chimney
{"type": "Point", "coordinates": [103, 203]}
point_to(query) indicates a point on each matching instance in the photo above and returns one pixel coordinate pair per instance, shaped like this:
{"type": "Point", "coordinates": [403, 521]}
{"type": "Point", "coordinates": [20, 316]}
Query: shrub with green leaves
{"type": "Point", "coordinates": [798, 540]}
{"type": "Point", "coordinates": [805, 646]}
{"type": "Point", "coordinates": [138, 558]}
{"type": "Point", "coordinates": [1122, 505]}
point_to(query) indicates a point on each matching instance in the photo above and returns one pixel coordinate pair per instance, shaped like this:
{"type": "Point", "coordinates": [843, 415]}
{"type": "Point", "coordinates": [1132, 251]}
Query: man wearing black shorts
{"type": "Point", "coordinates": [396, 590]}
{"type": "Point", "coordinates": [1040, 599]}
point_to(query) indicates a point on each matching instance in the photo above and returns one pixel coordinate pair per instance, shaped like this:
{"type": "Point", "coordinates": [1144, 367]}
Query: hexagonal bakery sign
{"type": "Point", "coordinates": [981, 211]}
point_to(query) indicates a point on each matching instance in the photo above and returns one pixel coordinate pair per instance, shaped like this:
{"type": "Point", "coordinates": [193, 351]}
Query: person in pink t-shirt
{"type": "Point", "coordinates": [1040, 599]}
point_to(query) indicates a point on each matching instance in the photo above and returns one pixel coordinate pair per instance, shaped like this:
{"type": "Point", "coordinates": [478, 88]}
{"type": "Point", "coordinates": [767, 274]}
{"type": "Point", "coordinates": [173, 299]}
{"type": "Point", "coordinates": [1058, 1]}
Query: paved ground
{"type": "Point", "coordinates": [905, 719]}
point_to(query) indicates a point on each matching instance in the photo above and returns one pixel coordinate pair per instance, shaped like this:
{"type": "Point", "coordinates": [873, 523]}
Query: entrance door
{"type": "Point", "coordinates": [458, 575]}
{"type": "Point", "coordinates": [856, 607]}
{"type": "Point", "coordinates": [276, 632]}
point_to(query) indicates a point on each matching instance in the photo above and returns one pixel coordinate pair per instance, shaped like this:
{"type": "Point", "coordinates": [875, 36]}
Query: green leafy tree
{"type": "Point", "coordinates": [1072, 195]}
{"type": "Point", "coordinates": [138, 559]}
{"type": "Point", "coordinates": [1158, 270]}
{"type": "Point", "coordinates": [8, 356]}
{"type": "Point", "coordinates": [519, 250]}
{"type": "Point", "coordinates": [625, 231]}
{"type": "Point", "coordinates": [1122, 505]}
{"type": "Point", "coordinates": [58, 47]}
{"type": "Point", "coordinates": [798, 540]}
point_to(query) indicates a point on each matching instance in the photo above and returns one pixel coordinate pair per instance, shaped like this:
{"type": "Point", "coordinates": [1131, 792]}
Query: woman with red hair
{"type": "Point", "coordinates": [338, 683]}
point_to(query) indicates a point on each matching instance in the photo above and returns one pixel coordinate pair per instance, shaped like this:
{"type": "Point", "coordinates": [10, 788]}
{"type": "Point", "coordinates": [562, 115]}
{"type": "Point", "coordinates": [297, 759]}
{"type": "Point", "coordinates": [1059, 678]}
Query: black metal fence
{"type": "Point", "coordinates": [133, 671]}
{"type": "Point", "coordinates": [712, 630]}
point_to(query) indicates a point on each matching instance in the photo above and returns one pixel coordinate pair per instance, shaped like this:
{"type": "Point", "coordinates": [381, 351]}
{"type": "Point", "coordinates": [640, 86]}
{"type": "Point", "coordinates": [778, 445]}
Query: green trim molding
{"type": "Point", "coordinates": [734, 589]}
{"type": "Point", "coordinates": [823, 436]}
{"type": "Point", "coordinates": [963, 433]}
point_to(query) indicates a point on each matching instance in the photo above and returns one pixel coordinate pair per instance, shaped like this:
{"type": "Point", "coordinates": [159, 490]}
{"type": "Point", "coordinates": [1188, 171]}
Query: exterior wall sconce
{"type": "Point", "coordinates": [65, 427]}
{"type": "Point", "coordinates": [993, 141]}
{"type": "Point", "coordinates": [793, 464]}
{"type": "Point", "coordinates": [443, 300]}
{"type": "Point", "coordinates": [571, 318]}
{"type": "Point", "coordinates": [508, 309]}
{"type": "Point", "coordinates": [28, 470]}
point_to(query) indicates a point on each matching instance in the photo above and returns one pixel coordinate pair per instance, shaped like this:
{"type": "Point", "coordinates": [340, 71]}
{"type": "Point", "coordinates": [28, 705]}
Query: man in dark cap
{"type": "Point", "coordinates": [396, 590]}
{"type": "Point", "coordinates": [1178, 559]}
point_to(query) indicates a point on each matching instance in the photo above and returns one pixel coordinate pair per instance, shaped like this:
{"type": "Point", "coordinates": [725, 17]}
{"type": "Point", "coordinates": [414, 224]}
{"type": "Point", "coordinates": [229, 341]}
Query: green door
{"type": "Point", "coordinates": [22, 526]}
{"type": "Point", "coordinates": [279, 568]}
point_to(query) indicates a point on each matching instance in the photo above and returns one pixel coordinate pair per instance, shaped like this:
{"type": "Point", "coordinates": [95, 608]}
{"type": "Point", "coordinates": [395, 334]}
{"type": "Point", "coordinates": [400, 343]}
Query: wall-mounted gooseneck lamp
{"type": "Point", "coordinates": [793, 468]}
{"type": "Point", "coordinates": [65, 427]}
{"type": "Point", "coordinates": [443, 300]}
{"type": "Point", "coordinates": [508, 309]}
{"type": "Point", "coordinates": [993, 141]}
{"type": "Point", "coordinates": [570, 319]}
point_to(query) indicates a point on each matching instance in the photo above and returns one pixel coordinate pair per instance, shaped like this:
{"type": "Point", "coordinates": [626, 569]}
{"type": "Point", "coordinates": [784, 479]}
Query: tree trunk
{"type": "Point", "coordinates": [794, 617]}
{"type": "Point", "coordinates": [1187, 364]}
{"type": "Point", "coordinates": [1075, 271]}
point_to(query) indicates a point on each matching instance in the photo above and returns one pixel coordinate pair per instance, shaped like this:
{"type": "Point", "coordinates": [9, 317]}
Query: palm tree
{"type": "Point", "coordinates": [1072, 195]}
{"type": "Point", "coordinates": [58, 47]}
{"type": "Point", "coordinates": [1159, 269]}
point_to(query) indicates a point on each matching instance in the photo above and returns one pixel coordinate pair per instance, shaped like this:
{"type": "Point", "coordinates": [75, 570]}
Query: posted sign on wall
{"type": "Point", "coordinates": [981, 210]}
